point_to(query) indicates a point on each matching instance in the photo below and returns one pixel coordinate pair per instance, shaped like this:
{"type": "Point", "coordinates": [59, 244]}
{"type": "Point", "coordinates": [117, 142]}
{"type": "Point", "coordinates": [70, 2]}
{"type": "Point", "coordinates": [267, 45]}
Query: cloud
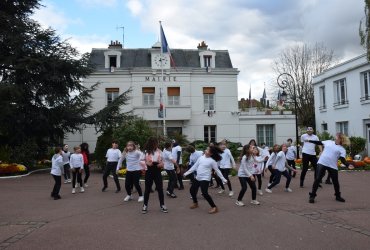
{"type": "Point", "coordinates": [134, 6]}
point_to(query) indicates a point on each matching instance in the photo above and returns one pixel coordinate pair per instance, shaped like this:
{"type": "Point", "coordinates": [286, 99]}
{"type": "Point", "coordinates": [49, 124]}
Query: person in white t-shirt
{"type": "Point", "coordinates": [57, 171]}
{"type": "Point", "coordinates": [226, 164]}
{"type": "Point", "coordinates": [113, 155]}
{"type": "Point", "coordinates": [291, 155]}
{"type": "Point", "coordinates": [169, 166]}
{"type": "Point", "coordinates": [194, 156]}
{"type": "Point", "coordinates": [308, 153]}
{"type": "Point", "coordinates": [204, 166]}
{"type": "Point", "coordinates": [177, 155]}
{"type": "Point", "coordinates": [328, 161]}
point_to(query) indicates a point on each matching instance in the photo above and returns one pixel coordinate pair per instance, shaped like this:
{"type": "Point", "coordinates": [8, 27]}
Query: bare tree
{"type": "Point", "coordinates": [364, 29]}
{"type": "Point", "coordinates": [303, 62]}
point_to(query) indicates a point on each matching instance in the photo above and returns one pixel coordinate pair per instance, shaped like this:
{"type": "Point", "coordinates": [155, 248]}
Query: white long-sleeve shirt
{"type": "Point", "coordinates": [194, 157]}
{"type": "Point", "coordinates": [57, 165]}
{"type": "Point", "coordinates": [132, 160]}
{"type": "Point", "coordinates": [227, 159]}
{"type": "Point", "coordinates": [258, 164]}
{"type": "Point", "coordinates": [167, 160]}
{"type": "Point", "coordinates": [246, 167]}
{"type": "Point", "coordinates": [204, 166]}
{"type": "Point", "coordinates": [66, 156]}
{"type": "Point", "coordinates": [280, 162]}
{"type": "Point", "coordinates": [76, 161]}
{"type": "Point", "coordinates": [113, 155]}
{"type": "Point", "coordinates": [291, 153]}
{"type": "Point", "coordinates": [271, 159]}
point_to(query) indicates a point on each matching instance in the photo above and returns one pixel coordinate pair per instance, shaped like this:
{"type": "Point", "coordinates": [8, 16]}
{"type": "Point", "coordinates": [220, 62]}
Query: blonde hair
{"type": "Point", "coordinates": [343, 139]}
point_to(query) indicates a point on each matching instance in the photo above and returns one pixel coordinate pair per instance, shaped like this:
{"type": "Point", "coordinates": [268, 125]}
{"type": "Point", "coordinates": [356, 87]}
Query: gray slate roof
{"type": "Point", "coordinates": [132, 58]}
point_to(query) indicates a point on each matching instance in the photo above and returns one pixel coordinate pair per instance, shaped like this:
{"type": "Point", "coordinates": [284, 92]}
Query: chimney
{"type": "Point", "coordinates": [115, 45]}
{"type": "Point", "coordinates": [202, 46]}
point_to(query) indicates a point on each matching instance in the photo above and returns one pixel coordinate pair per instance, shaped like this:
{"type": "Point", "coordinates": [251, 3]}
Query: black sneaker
{"type": "Point", "coordinates": [144, 210]}
{"type": "Point", "coordinates": [328, 182]}
{"type": "Point", "coordinates": [340, 199]}
{"type": "Point", "coordinates": [311, 200]}
{"type": "Point", "coordinates": [168, 193]}
{"type": "Point", "coordinates": [164, 209]}
{"type": "Point", "coordinates": [103, 189]}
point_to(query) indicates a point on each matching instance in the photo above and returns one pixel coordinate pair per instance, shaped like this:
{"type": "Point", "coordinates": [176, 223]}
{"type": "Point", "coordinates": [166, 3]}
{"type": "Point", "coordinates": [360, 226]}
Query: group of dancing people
{"type": "Point", "coordinates": [216, 161]}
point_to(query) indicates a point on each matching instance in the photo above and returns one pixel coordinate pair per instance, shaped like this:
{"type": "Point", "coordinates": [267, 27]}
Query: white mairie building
{"type": "Point", "coordinates": [200, 95]}
{"type": "Point", "coordinates": [342, 99]}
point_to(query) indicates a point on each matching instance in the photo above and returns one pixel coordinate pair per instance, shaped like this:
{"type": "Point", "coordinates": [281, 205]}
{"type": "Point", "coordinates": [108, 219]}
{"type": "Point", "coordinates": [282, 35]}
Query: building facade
{"type": "Point", "coordinates": [342, 99]}
{"type": "Point", "coordinates": [199, 92]}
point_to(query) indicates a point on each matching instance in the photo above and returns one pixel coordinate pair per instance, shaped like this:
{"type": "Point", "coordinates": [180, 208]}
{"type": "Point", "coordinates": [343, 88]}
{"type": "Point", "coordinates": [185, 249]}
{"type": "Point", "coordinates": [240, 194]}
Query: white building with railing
{"type": "Point", "coordinates": [342, 99]}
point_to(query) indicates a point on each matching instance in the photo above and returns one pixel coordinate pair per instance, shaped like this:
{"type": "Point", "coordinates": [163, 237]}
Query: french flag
{"type": "Point", "coordinates": [164, 46]}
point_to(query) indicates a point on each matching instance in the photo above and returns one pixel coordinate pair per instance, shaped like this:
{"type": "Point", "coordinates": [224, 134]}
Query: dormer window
{"type": "Point", "coordinates": [207, 59]}
{"type": "Point", "coordinates": [112, 59]}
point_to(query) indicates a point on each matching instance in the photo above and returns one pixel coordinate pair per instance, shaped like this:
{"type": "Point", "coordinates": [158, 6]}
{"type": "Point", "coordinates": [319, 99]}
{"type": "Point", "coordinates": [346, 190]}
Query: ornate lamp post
{"type": "Point", "coordinates": [283, 80]}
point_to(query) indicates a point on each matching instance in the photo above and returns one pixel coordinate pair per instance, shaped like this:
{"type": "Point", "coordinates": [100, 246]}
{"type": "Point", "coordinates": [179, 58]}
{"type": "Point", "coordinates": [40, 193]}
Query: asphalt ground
{"type": "Point", "coordinates": [30, 219]}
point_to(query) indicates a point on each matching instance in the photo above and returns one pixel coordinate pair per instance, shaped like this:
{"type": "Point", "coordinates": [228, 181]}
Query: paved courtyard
{"type": "Point", "coordinates": [30, 219]}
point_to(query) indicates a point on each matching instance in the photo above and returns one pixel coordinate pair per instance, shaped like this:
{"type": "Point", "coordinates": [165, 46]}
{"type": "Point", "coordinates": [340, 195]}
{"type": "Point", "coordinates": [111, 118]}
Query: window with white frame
{"type": "Point", "coordinates": [148, 96]}
{"type": "Point", "coordinates": [322, 98]}
{"type": "Point", "coordinates": [209, 98]}
{"type": "Point", "coordinates": [207, 60]}
{"type": "Point", "coordinates": [365, 86]}
{"type": "Point", "coordinates": [173, 95]}
{"type": "Point", "coordinates": [210, 133]}
{"type": "Point", "coordinates": [340, 91]}
{"type": "Point", "coordinates": [112, 94]}
{"type": "Point", "coordinates": [265, 133]}
{"type": "Point", "coordinates": [324, 127]}
{"type": "Point", "coordinates": [342, 127]}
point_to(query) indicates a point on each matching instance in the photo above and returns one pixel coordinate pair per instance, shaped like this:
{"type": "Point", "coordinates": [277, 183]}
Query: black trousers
{"type": "Point", "coordinates": [87, 172]}
{"type": "Point", "coordinates": [133, 179]}
{"type": "Point", "coordinates": [306, 159]}
{"type": "Point", "coordinates": [259, 179]}
{"type": "Point", "coordinates": [252, 185]}
{"type": "Point", "coordinates": [179, 177]}
{"type": "Point", "coordinates": [225, 173]}
{"type": "Point", "coordinates": [333, 173]}
{"type": "Point", "coordinates": [67, 169]}
{"type": "Point", "coordinates": [277, 177]}
{"type": "Point", "coordinates": [153, 174]}
{"type": "Point", "coordinates": [292, 164]}
{"type": "Point", "coordinates": [272, 173]}
{"type": "Point", "coordinates": [204, 189]}
{"type": "Point", "coordinates": [57, 185]}
{"type": "Point", "coordinates": [172, 179]}
{"type": "Point", "coordinates": [76, 172]}
{"type": "Point", "coordinates": [111, 168]}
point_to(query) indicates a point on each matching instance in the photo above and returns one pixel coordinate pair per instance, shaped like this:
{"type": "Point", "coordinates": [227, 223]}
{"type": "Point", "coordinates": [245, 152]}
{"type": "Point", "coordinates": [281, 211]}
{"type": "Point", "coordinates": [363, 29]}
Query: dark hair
{"type": "Point", "coordinates": [190, 148]}
{"type": "Point", "coordinates": [245, 151]}
{"type": "Point", "coordinates": [254, 141]}
{"type": "Point", "coordinates": [215, 153]}
{"type": "Point", "coordinates": [84, 147]}
{"type": "Point", "coordinates": [115, 142]}
{"type": "Point", "coordinates": [290, 139]}
{"type": "Point", "coordinates": [57, 150]}
{"type": "Point", "coordinates": [167, 144]}
{"type": "Point", "coordinates": [151, 145]}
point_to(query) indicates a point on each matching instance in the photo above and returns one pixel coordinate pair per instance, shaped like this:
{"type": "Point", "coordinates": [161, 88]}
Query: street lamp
{"type": "Point", "coordinates": [283, 81]}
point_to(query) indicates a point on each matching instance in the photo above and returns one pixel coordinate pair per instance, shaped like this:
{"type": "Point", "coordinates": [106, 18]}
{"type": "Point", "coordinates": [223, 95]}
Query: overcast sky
{"type": "Point", "coordinates": [253, 31]}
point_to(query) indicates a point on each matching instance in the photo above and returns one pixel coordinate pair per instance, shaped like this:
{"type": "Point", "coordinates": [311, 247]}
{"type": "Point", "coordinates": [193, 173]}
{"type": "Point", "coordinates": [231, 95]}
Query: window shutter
{"type": "Point", "coordinates": [149, 90]}
{"type": "Point", "coordinates": [173, 91]}
{"type": "Point", "coordinates": [209, 90]}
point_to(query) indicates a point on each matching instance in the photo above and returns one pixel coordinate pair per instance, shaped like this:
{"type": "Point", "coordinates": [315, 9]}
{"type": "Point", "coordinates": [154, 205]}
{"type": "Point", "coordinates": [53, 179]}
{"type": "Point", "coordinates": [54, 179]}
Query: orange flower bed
{"type": "Point", "coordinates": [11, 168]}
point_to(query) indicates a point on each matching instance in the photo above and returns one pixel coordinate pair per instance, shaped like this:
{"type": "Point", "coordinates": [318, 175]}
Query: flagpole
{"type": "Point", "coordinates": [162, 85]}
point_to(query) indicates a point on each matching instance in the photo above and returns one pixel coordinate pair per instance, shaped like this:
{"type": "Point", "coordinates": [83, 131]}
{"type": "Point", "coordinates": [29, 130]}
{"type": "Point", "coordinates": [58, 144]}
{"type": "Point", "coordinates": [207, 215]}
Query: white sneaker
{"type": "Point", "coordinates": [66, 181]}
{"type": "Point", "coordinates": [268, 190]}
{"type": "Point", "coordinates": [77, 185]}
{"type": "Point", "coordinates": [260, 192]}
{"type": "Point", "coordinates": [221, 191]}
{"type": "Point", "coordinates": [69, 181]}
{"type": "Point", "coordinates": [255, 202]}
{"type": "Point", "coordinates": [231, 193]}
{"type": "Point", "coordinates": [82, 190]}
{"type": "Point", "coordinates": [288, 190]}
{"type": "Point", "coordinates": [85, 185]}
{"type": "Point", "coordinates": [73, 190]}
{"type": "Point", "coordinates": [239, 203]}
{"type": "Point", "coordinates": [268, 184]}
{"type": "Point", "coordinates": [141, 199]}
{"type": "Point", "coordinates": [127, 198]}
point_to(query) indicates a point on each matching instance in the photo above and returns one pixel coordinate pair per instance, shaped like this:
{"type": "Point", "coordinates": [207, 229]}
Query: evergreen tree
{"type": "Point", "coordinates": [41, 91]}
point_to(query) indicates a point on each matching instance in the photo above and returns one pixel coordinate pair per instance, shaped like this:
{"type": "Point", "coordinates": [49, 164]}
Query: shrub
{"type": "Point", "coordinates": [357, 145]}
